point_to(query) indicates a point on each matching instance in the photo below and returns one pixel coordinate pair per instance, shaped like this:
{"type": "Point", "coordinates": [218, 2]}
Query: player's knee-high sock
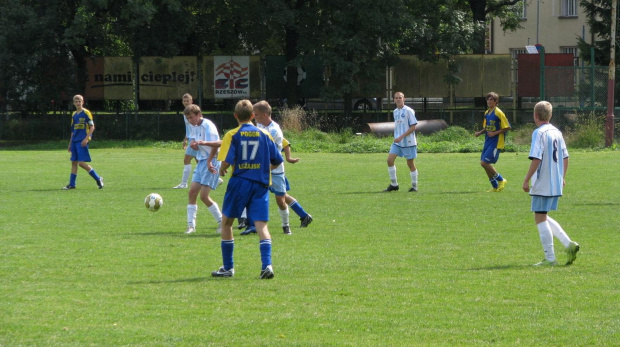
{"type": "Point", "coordinates": [215, 212]}
{"type": "Point", "coordinates": [186, 171]}
{"type": "Point", "coordinates": [94, 175]}
{"type": "Point", "coordinates": [298, 209]}
{"type": "Point", "coordinates": [284, 214]}
{"type": "Point", "coordinates": [392, 172]}
{"type": "Point", "coordinates": [498, 177]}
{"type": "Point", "coordinates": [228, 248]}
{"type": "Point", "coordinates": [493, 182]}
{"type": "Point", "coordinates": [558, 232]}
{"type": "Point", "coordinates": [72, 179]}
{"type": "Point", "coordinates": [546, 238]}
{"type": "Point", "coordinates": [414, 178]}
{"type": "Point", "coordinates": [191, 215]}
{"type": "Point", "coordinates": [265, 252]}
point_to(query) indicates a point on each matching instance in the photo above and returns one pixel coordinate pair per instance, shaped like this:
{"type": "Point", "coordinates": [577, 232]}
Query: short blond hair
{"type": "Point", "coordinates": [262, 107]}
{"type": "Point", "coordinates": [187, 96]}
{"type": "Point", "coordinates": [193, 108]}
{"type": "Point", "coordinates": [78, 96]}
{"type": "Point", "coordinates": [401, 94]}
{"type": "Point", "coordinates": [544, 110]}
{"type": "Point", "coordinates": [244, 110]}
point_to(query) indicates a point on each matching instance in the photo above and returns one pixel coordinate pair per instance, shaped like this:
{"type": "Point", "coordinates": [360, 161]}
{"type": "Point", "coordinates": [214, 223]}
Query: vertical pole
{"type": "Point", "coordinates": [592, 79]}
{"type": "Point", "coordinates": [609, 119]}
{"type": "Point", "coordinates": [542, 72]}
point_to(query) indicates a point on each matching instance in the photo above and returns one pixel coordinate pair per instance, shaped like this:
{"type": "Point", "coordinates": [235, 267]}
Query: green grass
{"type": "Point", "coordinates": [449, 265]}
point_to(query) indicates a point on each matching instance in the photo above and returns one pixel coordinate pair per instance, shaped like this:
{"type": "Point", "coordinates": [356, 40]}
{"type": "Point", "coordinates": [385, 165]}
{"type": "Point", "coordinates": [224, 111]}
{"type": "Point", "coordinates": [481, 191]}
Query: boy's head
{"type": "Point", "coordinates": [193, 114]}
{"type": "Point", "coordinates": [543, 110]}
{"type": "Point", "coordinates": [244, 110]}
{"type": "Point", "coordinates": [78, 101]}
{"type": "Point", "coordinates": [399, 99]}
{"type": "Point", "coordinates": [262, 111]}
{"type": "Point", "coordinates": [187, 99]}
{"type": "Point", "coordinates": [493, 96]}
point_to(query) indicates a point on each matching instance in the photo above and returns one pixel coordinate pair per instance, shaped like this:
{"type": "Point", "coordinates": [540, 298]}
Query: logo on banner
{"type": "Point", "coordinates": [232, 76]}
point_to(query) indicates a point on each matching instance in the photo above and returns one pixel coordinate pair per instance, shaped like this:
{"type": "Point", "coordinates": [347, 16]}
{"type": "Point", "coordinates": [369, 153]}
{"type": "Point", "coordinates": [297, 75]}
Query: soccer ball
{"type": "Point", "coordinates": [153, 202]}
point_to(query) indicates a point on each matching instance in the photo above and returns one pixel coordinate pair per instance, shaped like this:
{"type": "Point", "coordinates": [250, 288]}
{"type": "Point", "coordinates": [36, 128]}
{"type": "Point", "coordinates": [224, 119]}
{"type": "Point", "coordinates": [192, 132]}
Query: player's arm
{"type": "Point", "coordinates": [530, 172]}
{"type": "Point", "coordinates": [406, 133]}
{"type": "Point", "coordinates": [89, 135]}
{"type": "Point", "coordinates": [185, 139]}
{"type": "Point", "coordinates": [565, 160]}
{"type": "Point", "coordinates": [287, 154]}
{"type": "Point", "coordinates": [212, 155]}
{"type": "Point", "coordinates": [212, 144]}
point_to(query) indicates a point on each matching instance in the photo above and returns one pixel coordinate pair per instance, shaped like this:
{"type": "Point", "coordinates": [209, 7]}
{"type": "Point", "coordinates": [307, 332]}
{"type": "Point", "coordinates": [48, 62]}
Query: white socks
{"type": "Point", "coordinates": [546, 238]}
{"type": "Point", "coordinates": [186, 171]}
{"type": "Point", "coordinates": [414, 178]}
{"type": "Point", "coordinates": [284, 214]}
{"type": "Point", "coordinates": [558, 232]}
{"type": "Point", "coordinates": [215, 212]}
{"type": "Point", "coordinates": [191, 215]}
{"type": "Point", "coordinates": [392, 172]}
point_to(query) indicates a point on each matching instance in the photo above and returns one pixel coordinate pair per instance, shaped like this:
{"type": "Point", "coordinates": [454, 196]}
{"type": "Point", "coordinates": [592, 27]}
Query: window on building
{"type": "Point", "coordinates": [516, 51]}
{"type": "Point", "coordinates": [572, 50]}
{"type": "Point", "coordinates": [520, 9]}
{"type": "Point", "coordinates": [569, 8]}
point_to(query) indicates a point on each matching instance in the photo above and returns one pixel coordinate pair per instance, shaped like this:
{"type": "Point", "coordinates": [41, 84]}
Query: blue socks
{"type": "Point", "coordinates": [228, 246]}
{"type": "Point", "coordinates": [495, 179]}
{"type": "Point", "coordinates": [265, 253]}
{"type": "Point", "coordinates": [72, 179]}
{"type": "Point", "coordinates": [295, 206]}
{"type": "Point", "coordinates": [94, 175]}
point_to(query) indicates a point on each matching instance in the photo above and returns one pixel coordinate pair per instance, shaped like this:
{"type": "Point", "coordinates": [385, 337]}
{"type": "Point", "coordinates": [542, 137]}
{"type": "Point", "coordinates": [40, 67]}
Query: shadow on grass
{"type": "Point", "coordinates": [501, 267]}
{"type": "Point", "coordinates": [176, 234]}
{"type": "Point", "coordinates": [185, 280]}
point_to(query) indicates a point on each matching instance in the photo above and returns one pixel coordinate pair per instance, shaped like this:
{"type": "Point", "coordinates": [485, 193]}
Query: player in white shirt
{"type": "Point", "coordinates": [405, 143]}
{"type": "Point", "coordinates": [190, 153]}
{"type": "Point", "coordinates": [206, 141]}
{"type": "Point", "coordinates": [280, 184]}
{"type": "Point", "coordinates": [546, 173]}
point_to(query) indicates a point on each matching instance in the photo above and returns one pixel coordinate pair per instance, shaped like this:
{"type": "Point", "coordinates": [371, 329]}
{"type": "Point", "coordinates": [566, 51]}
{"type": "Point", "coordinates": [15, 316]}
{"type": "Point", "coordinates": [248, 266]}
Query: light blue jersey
{"type": "Point", "coordinates": [276, 132]}
{"type": "Point", "coordinates": [205, 131]}
{"type": "Point", "coordinates": [549, 147]}
{"type": "Point", "coordinates": [404, 118]}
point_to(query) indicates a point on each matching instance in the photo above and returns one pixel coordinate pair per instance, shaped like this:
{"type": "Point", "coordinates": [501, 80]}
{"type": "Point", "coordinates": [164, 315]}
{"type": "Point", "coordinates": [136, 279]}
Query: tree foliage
{"type": "Point", "coordinates": [598, 17]}
{"type": "Point", "coordinates": [44, 45]}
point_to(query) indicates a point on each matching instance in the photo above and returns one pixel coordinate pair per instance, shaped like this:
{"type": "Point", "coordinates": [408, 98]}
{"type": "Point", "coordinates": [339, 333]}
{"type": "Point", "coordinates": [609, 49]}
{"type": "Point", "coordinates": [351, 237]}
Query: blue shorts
{"type": "Point", "coordinates": [190, 151]}
{"type": "Point", "coordinates": [279, 184]}
{"type": "Point", "coordinates": [241, 194]}
{"type": "Point", "coordinates": [79, 153]}
{"type": "Point", "coordinates": [490, 155]}
{"type": "Point", "coordinates": [544, 203]}
{"type": "Point", "coordinates": [407, 152]}
{"type": "Point", "coordinates": [205, 177]}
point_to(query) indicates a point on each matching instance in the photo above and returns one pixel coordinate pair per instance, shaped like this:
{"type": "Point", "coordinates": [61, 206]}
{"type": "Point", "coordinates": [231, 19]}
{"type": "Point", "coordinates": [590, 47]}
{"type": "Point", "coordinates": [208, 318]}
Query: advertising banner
{"type": "Point", "coordinates": [231, 77]}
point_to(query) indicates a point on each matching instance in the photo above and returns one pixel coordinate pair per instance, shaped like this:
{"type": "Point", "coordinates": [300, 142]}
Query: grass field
{"type": "Point", "coordinates": [449, 265]}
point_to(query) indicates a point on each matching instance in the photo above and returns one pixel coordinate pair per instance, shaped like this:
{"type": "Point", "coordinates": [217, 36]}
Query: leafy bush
{"type": "Point", "coordinates": [589, 132]}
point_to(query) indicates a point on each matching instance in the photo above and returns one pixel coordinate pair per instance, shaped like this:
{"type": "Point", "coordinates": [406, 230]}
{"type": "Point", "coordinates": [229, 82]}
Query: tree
{"type": "Point", "coordinates": [598, 17]}
{"type": "Point", "coordinates": [482, 10]}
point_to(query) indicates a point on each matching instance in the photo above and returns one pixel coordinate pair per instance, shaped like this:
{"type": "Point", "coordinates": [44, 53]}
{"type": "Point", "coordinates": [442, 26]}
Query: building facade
{"type": "Point", "coordinates": [555, 24]}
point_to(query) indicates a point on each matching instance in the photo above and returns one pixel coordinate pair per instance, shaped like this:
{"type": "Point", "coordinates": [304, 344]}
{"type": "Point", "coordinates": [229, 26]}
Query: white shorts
{"type": "Point", "coordinates": [279, 184]}
{"type": "Point", "coordinates": [205, 177]}
{"type": "Point", "coordinates": [407, 152]}
{"type": "Point", "coordinates": [544, 203]}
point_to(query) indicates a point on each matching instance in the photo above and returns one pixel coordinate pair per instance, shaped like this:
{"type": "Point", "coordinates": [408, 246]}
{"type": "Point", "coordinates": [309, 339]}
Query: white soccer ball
{"type": "Point", "coordinates": [153, 202]}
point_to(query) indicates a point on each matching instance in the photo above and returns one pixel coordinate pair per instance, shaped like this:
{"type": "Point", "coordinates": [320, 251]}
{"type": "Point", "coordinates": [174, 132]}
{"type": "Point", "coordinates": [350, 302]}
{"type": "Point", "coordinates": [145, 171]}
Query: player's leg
{"type": "Point", "coordinates": [228, 247]}
{"type": "Point", "coordinates": [72, 176]}
{"type": "Point", "coordinates": [571, 247]}
{"type": "Point", "coordinates": [540, 207]}
{"type": "Point", "coordinates": [411, 154]}
{"type": "Point", "coordinates": [258, 210]}
{"type": "Point", "coordinates": [192, 207]}
{"type": "Point", "coordinates": [213, 207]}
{"type": "Point", "coordinates": [392, 155]}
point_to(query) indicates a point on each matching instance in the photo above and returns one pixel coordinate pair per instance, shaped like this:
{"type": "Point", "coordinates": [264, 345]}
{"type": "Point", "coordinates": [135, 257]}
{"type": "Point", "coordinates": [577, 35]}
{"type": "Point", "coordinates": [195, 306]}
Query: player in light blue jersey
{"type": "Point", "coordinates": [280, 184]}
{"type": "Point", "coordinates": [405, 143]}
{"type": "Point", "coordinates": [82, 128]}
{"type": "Point", "coordinates": [190, 153]}
{"type": "Point", "coordinates": [252, 154]}
{"type": "Point", "coordinates": [546, 173]}
{"type": "Point", "coordinates": [206, 142]}
{"type": "Point", "coordinates": [494, 128]}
